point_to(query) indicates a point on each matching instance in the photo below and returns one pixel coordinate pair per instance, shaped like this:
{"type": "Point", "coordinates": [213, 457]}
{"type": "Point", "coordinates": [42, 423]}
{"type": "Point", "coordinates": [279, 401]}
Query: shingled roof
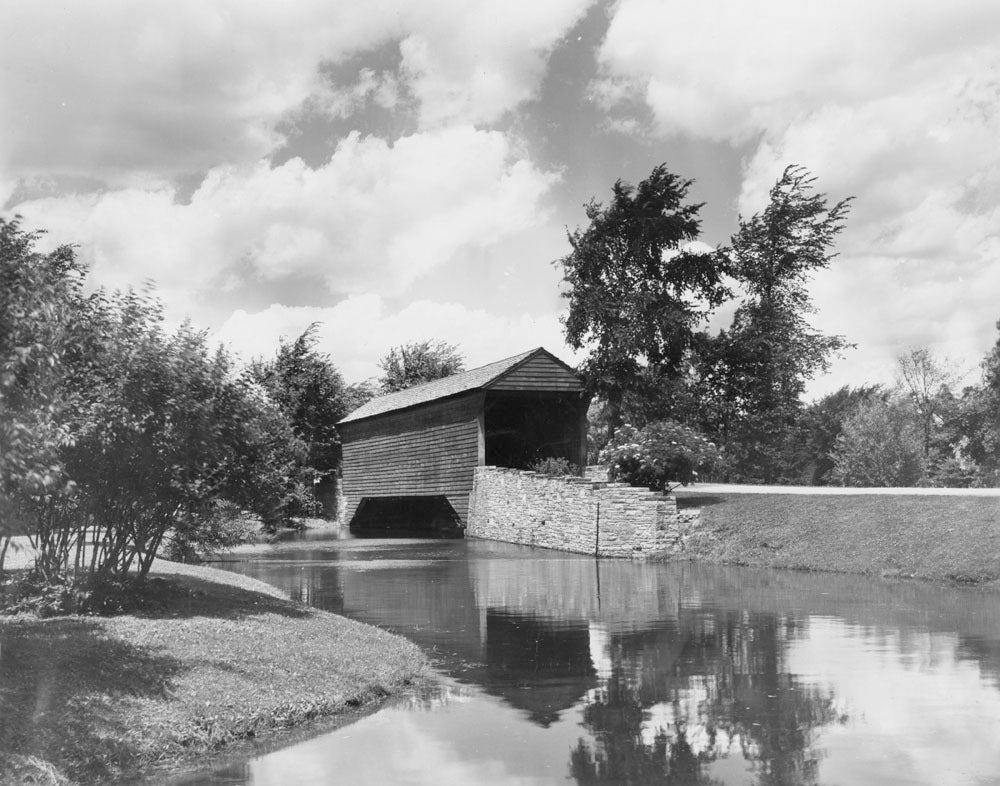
{"type": "Point", "coordinates": [464, 381]}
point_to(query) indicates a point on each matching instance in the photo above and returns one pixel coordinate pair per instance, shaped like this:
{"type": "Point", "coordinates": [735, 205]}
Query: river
{"type": "Point", "coordinates": [559, 668]}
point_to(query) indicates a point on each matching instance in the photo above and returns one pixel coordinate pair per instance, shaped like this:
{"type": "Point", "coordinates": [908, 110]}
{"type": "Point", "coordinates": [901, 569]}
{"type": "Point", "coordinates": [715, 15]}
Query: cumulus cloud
{"type": "Point", "coordinates": [358, 331]}
{"type": "Point", "coordinates": [472, 62]}
{"type": "Point", "coordinates": [893, 103]}
{"type": "Point", "coordinates": [374, 216]}
{"type": "Point", "coordinates": [138, 93]}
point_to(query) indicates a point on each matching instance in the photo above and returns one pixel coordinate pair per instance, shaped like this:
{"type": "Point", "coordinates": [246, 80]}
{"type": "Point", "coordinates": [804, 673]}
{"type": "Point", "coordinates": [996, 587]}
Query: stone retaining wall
{"type": "Point", "coordinates": [575, 514]}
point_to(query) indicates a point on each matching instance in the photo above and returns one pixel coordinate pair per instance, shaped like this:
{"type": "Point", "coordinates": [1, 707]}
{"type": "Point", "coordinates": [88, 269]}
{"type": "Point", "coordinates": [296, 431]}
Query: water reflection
{"type": "Point", "coordinates": [562, 667]}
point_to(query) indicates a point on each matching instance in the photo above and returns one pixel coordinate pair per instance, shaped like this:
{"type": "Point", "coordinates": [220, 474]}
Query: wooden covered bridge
{"type": "Point", "coordinates": [414, 453]}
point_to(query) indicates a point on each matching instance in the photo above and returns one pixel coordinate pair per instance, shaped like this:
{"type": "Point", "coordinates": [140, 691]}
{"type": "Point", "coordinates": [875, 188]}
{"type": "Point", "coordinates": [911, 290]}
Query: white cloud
{"type": "Point", "coordinates": [374, 217]}
{"type": "Point", "coordinates": [133, 93]}
{"type": "Point", "coordinates": [471, 62]}
{"type": "Point", "coordinates": [361, 329]}
{"type": "Point", "coordinates": [893, 102]}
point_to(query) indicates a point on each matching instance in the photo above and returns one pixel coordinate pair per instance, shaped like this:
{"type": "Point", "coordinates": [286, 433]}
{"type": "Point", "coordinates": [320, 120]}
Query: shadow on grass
{"type": "Point", "coordinates": [189, 596]}
{"type": "Point", "coordinates": [697, 500]}
{"type": "Point", "coordinates": [62, 682]}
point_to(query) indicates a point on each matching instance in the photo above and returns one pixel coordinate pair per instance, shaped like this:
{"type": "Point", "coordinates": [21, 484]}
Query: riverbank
{"type": "Point", "coordinates": [224, 658]}
{"type": "Point", "coordinates": [948, 535]}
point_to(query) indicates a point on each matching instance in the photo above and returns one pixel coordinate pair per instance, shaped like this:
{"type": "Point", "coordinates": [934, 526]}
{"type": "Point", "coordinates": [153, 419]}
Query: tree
{"type": "Point", "coordinates": [879, 445]}
{"type": "Point", "coordinates": [419, 362]}
{"type": "Point", "coordinates": [309, 389]}
{"type": "Point", "coordinates": [762, 363]}
{"type": "Point", "coordinates": [821, 424]}
{"type": "Point", "coordinates": [164, 429]}
{"type": "Point", "coordinates": [989, 405]}
{"type": "Point", "coordinates": [40, 301]}
{"type": "Point", "coordinates": [926, 381]}
{"type": "Point", "coordinates": [635, 297]}
{"type": "Point", "coordinates": [359, 393]}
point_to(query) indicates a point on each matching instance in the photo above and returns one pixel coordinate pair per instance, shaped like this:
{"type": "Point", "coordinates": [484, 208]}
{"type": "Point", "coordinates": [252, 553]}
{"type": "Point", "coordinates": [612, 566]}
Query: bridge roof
{"type": "Point", "coordinates": [463, 382]}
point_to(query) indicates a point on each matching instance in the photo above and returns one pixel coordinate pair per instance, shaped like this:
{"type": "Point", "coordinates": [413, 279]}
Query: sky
{"type": "Point", "coordinates": [405, 171]}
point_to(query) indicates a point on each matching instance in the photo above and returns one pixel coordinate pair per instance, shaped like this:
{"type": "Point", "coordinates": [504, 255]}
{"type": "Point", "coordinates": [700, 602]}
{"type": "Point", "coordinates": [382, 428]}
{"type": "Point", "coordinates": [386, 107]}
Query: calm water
{"type": "Point", "coordinates": [558, 668]}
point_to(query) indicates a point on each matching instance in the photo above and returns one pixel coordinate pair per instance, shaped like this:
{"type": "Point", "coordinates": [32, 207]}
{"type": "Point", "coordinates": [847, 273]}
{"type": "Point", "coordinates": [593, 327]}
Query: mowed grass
{"type": "Point", "coordinates": [228, 658]}
{"type": "Point", "coordinates": [933, 537]}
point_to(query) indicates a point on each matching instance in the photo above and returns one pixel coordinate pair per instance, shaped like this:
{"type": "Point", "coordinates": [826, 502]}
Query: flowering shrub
{"type": "Point", "coordinates": [556, 467]}
{"type": "Point", "coordinates": [658, 454]}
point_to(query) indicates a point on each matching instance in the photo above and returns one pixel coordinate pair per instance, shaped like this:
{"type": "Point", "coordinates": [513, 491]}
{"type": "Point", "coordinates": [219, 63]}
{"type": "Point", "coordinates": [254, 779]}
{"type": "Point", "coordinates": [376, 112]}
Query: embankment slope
{"type": "Point", "coordinates": [941, 534]}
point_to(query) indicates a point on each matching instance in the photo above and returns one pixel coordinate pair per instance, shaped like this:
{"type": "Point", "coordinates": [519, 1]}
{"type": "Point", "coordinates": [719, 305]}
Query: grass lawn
{"type": "Point", "coordinates": [228, 658]}
{"type": "Point", "coordinates": [953, 538]}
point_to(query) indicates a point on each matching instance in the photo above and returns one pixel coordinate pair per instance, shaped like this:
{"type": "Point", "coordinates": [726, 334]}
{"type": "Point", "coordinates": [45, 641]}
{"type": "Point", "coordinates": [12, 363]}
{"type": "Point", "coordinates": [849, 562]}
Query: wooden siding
{"type": "Point", "coordinates": [541, 372]}
{"type": "Point", "coordinates": [427, 451]}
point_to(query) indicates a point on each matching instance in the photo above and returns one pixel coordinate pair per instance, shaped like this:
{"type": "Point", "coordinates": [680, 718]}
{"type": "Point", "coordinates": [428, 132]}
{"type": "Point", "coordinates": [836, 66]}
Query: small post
{"type": "Point", "coordinates": [597, 531]}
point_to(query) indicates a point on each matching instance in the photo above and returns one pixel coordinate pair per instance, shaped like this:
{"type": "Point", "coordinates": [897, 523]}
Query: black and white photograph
{"type": "Point", "coordinates": [437, 393]}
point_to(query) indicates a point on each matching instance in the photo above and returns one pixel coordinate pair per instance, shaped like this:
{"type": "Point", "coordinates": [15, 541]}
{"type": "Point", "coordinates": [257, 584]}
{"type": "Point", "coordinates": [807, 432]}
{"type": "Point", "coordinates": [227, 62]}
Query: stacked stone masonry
{"type": "Point", "coordinates": [576, 514]}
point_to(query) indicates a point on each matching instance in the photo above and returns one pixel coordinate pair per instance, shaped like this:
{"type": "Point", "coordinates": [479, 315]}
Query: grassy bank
{"type": "Point", "coordinates": [226, 658]}
{"type": "Point", "coordinates": [952, 538]}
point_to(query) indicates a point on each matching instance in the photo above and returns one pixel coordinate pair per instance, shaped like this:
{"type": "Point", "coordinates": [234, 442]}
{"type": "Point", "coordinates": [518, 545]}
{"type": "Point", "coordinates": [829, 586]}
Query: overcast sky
{"type": "Point", "coordinates": [406, 170]}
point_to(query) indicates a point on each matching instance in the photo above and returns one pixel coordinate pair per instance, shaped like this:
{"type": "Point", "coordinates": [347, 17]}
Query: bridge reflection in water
{"type": "Point", "coordinates": [561, 666]}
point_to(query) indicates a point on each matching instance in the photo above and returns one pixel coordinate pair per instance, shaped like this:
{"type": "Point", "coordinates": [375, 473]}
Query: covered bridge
{"type": "Point", "coordinates": [417, 449]}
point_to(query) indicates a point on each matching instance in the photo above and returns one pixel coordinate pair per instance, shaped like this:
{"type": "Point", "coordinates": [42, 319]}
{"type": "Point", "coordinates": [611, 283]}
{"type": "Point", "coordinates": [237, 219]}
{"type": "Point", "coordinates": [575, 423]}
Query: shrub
{"type": "Point", "coordinates": [556, 467]}
{"type": "Point", "coordinates": [220, 526]}
{"type": "Point", "coordinates": [658, 455]}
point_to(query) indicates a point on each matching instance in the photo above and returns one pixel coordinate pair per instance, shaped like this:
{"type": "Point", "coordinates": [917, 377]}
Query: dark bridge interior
{"type": "Point", "coordinates": [406, 517]}
{"type": "Point", "coordinates": [524, 427]}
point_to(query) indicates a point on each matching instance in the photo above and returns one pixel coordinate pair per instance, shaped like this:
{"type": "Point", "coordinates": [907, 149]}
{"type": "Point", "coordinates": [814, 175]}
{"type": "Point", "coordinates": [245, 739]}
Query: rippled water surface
{"type": "Point", "coordinates": [559, 668]}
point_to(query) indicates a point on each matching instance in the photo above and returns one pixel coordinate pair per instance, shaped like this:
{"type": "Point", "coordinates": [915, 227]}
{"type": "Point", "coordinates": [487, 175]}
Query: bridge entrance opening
{"type": "Point", "coordinates": [522, 428]}
{"type": "Point", "coordinates": [406, 517]}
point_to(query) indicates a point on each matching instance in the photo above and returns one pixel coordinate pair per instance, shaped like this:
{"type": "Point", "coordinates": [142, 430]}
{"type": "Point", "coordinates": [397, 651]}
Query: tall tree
{"type": "Point", "coordinates": [312, 393]}
{"type": "Point", "coordinates": [927, 382]}
{"type": "Point", "coordinates": [635, 298]}
{"type": "Point", "coordinates": [763, 362]}
{"type": "Point", "coordinates": [418, 362]}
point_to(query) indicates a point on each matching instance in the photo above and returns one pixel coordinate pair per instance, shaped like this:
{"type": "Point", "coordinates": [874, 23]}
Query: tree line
{"type": "Point", "coordinates": [673, 398]}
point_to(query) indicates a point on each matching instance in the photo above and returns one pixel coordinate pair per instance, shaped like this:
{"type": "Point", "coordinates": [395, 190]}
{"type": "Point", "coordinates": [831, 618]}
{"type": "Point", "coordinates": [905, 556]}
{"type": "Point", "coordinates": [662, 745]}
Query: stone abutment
{"type": "Point", "coordinates": [581, 515]}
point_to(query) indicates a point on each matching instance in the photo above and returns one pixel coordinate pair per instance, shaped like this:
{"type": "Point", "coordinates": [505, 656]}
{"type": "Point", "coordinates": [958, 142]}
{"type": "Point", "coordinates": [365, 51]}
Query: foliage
{"type": "Point", "coordinates": [926, 382]}
{"type": "Point", "coordinates": [419, 362]}
{"type": "Point", "coordinates": [879, 445]}
{"type": "Point", "coordinates": [165, 425]}
{"type": "Point", "coordinates": [659, 454]}
{"type": "Point", "coordinates": [753, 375]}
{"type": "Point", "coordinates": [159, 428]}
{"type": "Point", "coordinates": [87, 594]}
{"type": "Point", "coordinates": [40, 296]}
{"type": "Point", "coordinates": [308, 388]}
{"type": "Point", "coordinates": [821, 424]}
{"type": "Point", "coordinates": [201, 534]}
{"type": "Point", "coordinates": [556, 467]}
{"type": "Point", "coordinates": [986, 402]}
{"type": "Point", "coordinates": [358, 394]}
{"type": "Point", "coordinates": [634, 296]}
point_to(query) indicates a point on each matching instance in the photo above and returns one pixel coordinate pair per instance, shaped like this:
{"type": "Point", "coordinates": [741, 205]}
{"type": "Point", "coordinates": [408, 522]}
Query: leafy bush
{"type": "Point", "coordinates": [556, 467]}
{"type": "Point", "coordinates": [90, 594]}
{"type": "Point", "coordinates": [220, 526]}
{"type": "Point", "coordinates": [658, 455]}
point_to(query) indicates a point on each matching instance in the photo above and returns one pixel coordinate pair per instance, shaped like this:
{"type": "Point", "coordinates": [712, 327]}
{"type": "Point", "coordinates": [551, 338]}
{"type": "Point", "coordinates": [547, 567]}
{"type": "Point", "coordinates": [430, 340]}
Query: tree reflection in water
{"type": "Point", "coordinates": [621, 672]}
{"type": "Point", "coordinates": [711, 687]}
